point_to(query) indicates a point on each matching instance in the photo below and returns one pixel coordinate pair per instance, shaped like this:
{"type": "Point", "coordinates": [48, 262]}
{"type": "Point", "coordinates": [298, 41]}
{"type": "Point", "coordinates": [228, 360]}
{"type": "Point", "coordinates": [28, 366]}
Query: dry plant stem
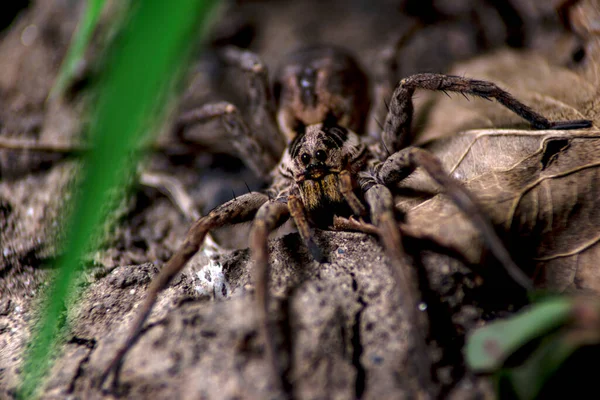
{"type": "Point", "coordinates": [7, 143]}
{"type": "Point", "coordinates": [397, 128]}
{"type": "Point", "coordinates": [172, 187]}
{"type": "Point", "coordinates": [234, 211]}
{"type": "Point", "coordinates": [174, 190]}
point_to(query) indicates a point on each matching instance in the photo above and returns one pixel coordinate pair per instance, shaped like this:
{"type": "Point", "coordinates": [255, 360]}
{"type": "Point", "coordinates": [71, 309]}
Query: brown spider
{"type": "Point", "coordinates": [328, 173]}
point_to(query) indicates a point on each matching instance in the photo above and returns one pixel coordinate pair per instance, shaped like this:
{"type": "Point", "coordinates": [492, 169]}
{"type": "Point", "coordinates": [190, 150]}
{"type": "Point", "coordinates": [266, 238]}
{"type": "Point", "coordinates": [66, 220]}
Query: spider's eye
{"type": "Point", "coordinates": [305, 158]}
{"type": "Point", "coordinates": [321, 155]}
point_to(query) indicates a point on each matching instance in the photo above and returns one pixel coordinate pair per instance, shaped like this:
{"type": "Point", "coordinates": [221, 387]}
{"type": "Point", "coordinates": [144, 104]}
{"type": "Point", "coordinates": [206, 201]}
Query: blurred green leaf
{"type": "Point", "coordinates": [527, 381]}
{"type": "Point", "coordinates": [488, 347]}
{"type": "Point", "coordinates": [79, 43]}
{"type": "Point", "coordinates": [156, 40]}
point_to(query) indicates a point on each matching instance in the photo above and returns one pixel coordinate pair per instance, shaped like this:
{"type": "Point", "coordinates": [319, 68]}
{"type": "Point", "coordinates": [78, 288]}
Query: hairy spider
{"type": "Point", "coordinates": [328, 173]}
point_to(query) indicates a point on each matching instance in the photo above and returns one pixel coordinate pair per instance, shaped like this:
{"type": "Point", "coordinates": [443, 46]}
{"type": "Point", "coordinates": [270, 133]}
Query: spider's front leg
{"type": "Point", "coordinates": [401, 164]}
{"type": "Point", "coordinates": [242, 209]}
{"type": "Point", "coordinates": [381, 205]}
{"type": "Point", "coordinates": [397, 128]}
{"type": "Point", "coordinates": [270, 216]}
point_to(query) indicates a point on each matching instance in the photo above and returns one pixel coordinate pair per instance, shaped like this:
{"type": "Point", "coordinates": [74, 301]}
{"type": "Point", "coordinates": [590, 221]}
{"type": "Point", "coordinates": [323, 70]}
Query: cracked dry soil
{"type": "Point", "coordinates": [346, 334]}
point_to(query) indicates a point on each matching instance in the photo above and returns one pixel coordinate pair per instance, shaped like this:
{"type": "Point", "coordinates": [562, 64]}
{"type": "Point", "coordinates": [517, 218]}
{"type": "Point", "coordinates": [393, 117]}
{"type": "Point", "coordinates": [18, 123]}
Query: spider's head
{"type": "Point", "coordinates": [317, 82]}
{"type": "Point", "coordinates": [316, 157]}
{"type": "Point", "coordinates": [319, 151]}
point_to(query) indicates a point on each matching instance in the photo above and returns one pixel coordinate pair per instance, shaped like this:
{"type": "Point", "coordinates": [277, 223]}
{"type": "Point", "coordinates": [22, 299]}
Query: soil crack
{"type": "Point", "coordinates": [361, 372]}
{"type": "Point", "coordinates": [91, 345]}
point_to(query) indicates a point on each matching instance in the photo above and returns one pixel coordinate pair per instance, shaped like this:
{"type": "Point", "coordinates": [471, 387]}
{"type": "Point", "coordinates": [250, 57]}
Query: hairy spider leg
{"type": "Point", "coordinates": [404, 162]}
{"type": "Point", "coordinates": [269, 217]}
{"type": "Point", "coordinates": [397, 127]}
{"type": "Point", "coordinates": [298, 213]}
{"type": "Point", "coordinates": [347, 190]}
{"type": "Point", "coordinates": [244, 140]}
{"type": "Point", "coordinates": [381, 205]}
{"type": "Point", "coordinates": [261, 102]}
{"type": "Point", "coordinates": [243, 209]}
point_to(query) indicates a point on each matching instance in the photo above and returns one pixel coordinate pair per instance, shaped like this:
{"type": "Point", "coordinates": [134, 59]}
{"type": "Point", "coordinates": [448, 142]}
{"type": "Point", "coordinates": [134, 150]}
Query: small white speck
{"type": "Point", "coordinates": [305, 83]}
{"type": "Point", "coordinates": [29, 35]}
{"type": "Point", "coordinates": [17, 309]}
{"type": "Point", "coordinates": [212, 281]}
{"type": "Point", "coordinates": [5, 252]}
{"type": "Point", "coordinates": [30, 212]}
{"type": "Point", "coordinates": [132, 291]}
{"type": "Point", "coordinates": [422, 306]}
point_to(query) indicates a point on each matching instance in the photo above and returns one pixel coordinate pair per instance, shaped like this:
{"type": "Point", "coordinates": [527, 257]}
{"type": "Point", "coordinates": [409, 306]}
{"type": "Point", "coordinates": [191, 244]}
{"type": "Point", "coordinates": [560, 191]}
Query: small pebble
{"type": "Point", "coordinates": [377, 359]}
{"type": "Point", "coordinates": [29, 34]}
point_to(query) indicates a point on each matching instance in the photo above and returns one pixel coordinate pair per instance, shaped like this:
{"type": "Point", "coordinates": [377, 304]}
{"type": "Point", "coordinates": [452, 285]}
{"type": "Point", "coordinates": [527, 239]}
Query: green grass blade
{"type": "Point", "coordinates": [489, 346]}
{"type": "Point", "coordinates": [155, 42]}
{"type": "Point", "coordinates": [76, 52]}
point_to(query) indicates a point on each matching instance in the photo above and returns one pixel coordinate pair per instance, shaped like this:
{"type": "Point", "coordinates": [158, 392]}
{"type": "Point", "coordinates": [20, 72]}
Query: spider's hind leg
{"type": "Point", "coordinates": [404, 162]}
{"type": "Point", "coordinates": [248, 146]}
{"type": "Point", "coordinates": [257, 142]}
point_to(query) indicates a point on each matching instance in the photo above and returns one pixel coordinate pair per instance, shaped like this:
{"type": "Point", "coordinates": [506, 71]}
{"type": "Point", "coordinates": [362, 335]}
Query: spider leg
{"type": "Point", "coordinates": [381, 205]}
{"type": "Point", "coordinates": [347, 191]}
{"type": "Point", "coordinates": [397, 132]}
{"type": "Point", "coordinates": [297, 211]}
{"type": "Point", "coordinates": [271, 215]}
{"type": "Point", "coordinates": [352, 224]}
{"type": "Point", "coordinates": [243, 139]}
{"type": "Point", "coordinates": [234, 211]}
{"type": "Point", "coordinates": [405, 161]}
{"type": "Point", "coordinates": [261, 103]}
{"type": "Point", "coordinates": [385, 76]}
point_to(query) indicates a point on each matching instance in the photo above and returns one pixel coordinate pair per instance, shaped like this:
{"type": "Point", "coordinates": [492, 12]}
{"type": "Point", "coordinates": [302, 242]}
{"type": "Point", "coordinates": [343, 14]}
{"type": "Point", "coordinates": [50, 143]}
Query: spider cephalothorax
{"type": "Point", "coordinates": [329, 171]}
{"type": "Point", "coordinates": [314, 161]}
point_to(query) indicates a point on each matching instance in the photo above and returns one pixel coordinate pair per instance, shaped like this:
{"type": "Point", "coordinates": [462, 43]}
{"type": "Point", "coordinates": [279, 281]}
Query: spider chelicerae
{"type": "Point", "coordinates": [332, 175]}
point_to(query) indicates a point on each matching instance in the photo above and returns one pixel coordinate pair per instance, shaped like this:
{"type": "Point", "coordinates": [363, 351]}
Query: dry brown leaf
{"type": "Point", "coordinates": [538, 186]}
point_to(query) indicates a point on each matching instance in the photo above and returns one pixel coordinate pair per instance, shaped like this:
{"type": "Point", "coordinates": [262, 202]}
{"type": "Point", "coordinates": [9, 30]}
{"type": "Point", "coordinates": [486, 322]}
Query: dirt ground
{"type": "Point", "coordinates": [344, 329]}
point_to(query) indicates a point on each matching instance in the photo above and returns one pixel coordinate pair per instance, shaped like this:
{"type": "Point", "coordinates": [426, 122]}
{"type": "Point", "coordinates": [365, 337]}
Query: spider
{"type": "Point", "coordinates": [329, 176]}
